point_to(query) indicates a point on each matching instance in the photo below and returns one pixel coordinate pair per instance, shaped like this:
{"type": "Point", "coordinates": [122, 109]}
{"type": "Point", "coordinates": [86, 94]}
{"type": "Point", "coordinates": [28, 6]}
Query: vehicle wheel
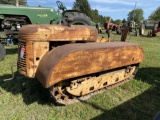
{"type": "Point", "coordinates": [136, 34]}
{"type": "Point", "coordinates": [142, 29]}
{"type": "Point", "coordinates": [153, 32]}
{"type": "Point", "coordinates": [78, 19]}
{"type": "Point", "coordinates": [2, 51]}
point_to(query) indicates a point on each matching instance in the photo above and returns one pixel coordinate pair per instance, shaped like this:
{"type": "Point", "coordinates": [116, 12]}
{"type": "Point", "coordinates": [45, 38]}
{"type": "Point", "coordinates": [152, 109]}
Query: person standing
{"type": "Point", "coordinates": [9, 40]}
{"type": "Point", "coordinates": [159, 24]}
{"type": "Point", "coordinates": [108, 33]}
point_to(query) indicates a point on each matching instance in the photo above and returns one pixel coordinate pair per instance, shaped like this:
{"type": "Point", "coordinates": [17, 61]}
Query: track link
{"type": "Point", "coordinates": [62, 97]}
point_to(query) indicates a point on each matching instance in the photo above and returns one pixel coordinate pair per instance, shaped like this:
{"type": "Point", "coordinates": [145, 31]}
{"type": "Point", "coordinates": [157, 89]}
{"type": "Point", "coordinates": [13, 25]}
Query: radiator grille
{"type": "Point", "coordinates": [21, 58]}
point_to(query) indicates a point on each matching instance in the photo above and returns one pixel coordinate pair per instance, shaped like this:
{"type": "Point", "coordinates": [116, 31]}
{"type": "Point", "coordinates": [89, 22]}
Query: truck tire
{"type": "Point", "coordinates": [78, 19]}
{"type": "Point", "coordinates": [2, 52]}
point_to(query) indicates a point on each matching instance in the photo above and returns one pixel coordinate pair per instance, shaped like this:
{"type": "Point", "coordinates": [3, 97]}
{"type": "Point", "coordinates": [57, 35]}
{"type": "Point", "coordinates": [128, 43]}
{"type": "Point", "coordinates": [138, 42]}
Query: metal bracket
{"type": "Point", "coordinates": [12, 73]}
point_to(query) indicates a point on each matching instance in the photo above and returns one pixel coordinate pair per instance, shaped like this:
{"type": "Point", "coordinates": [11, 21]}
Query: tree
{"type": "Point", "coordinates": [83, 6]}
{"type": "Point", "coordinates": [95, 16]}
{"type": "Point", "coordinates": [118, 21]}
{"type": "Point", "coordinates": [107, 19]}
{"type": "Point", "coordinates": [101, 19]}
{"type": "Point", "coordinates": [13, 2]}
{"type": "Point", "coordinates": [155, 15]}
{"type": "Point", "coordinates": [136, 15]}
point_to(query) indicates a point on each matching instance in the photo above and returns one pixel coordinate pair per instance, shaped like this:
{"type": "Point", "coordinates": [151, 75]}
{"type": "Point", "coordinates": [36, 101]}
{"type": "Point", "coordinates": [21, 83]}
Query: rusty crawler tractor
{"type": "Point", "coordinates": [72, 62]}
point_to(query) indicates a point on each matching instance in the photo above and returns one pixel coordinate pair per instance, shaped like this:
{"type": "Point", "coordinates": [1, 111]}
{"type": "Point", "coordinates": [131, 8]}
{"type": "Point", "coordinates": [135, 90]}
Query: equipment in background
{"type": "Point", "coordinates": [13, 17]}
{"type": "Point", "coordinates": [154, 30]}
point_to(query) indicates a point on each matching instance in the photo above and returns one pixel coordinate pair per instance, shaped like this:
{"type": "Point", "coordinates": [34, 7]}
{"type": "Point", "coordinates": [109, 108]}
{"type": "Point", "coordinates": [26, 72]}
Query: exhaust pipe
{"type": "Point", "coordinates": [17, 3]}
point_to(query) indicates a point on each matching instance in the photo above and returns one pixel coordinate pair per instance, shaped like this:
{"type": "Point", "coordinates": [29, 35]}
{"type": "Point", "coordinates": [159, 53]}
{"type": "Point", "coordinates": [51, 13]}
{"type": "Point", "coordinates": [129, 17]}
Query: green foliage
{"type": "Point", "coordinates": [83, 6]}
{"type": "Point", "coordinates": [155, 15]}
{"type": "Point", "coordinates": [118, 21]}
{"type": "Point", "coordinates": [13, 2]}
{"type": "Point", "coordinates": [95, 16]}
{"type": "Point", "coordinates": [107, 18]}
{"type": "Point", "coordinates": [101, 19]}
{"type": "Point", "coordinates": [136, 15]}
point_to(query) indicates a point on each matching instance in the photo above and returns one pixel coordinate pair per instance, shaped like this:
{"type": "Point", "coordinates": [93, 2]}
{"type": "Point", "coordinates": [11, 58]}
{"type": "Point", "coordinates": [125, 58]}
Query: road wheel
{"type": "Point", "coordinates": [2, 51]}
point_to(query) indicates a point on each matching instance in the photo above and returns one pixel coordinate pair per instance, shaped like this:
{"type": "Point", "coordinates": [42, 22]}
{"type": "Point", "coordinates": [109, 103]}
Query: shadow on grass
{"type": "Point", "coordinates": [142, 107]}
{"type": "Point", "coordinates": [150, 75]}
{"type": "Point", "coordinates": [11, 50]}
{"type": "Point", "coordinates": [31, 89]}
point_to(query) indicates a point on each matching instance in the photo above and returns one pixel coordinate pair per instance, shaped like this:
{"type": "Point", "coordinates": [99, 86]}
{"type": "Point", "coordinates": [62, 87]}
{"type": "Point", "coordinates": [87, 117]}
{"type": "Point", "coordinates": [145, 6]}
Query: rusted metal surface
{"type": "Point", "coordinates": [40, 49]}
{"type": "Point", "coordinates": [102, 39]}
{"type": "Point", "coordinates": [57, 33]}
{"type": "Point", "coordinates": [30, 54]}
{"type": "Point", "coordinates": [61, 96]}
{"type": "Point", "coordinates": [75, 60]}
{"type": "Point", "coordinates": [80, 88]}
{"type": "Point", "coordinates": [33, 40]}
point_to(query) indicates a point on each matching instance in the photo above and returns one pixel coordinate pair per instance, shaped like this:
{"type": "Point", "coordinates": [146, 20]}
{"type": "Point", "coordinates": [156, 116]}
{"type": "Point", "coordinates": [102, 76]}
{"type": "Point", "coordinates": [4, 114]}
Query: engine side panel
{"type": "Point", "coordinates": [29, 56]}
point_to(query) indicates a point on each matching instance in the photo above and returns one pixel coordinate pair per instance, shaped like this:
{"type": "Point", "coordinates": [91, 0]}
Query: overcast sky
{"type": "Point", "coordinates": [116, 9]}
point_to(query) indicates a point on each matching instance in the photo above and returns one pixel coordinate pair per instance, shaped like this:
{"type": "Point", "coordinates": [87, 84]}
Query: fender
{"type": "Point", "coordinates": [74, 60]}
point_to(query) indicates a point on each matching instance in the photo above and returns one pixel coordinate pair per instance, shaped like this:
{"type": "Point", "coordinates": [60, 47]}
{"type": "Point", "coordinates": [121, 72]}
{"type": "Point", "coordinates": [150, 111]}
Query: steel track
{"type": "Point", "coordinates": [59, 99]}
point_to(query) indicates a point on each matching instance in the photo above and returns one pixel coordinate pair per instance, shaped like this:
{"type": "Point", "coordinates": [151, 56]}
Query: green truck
{"type": "Point", "coordinates": [13, 17]}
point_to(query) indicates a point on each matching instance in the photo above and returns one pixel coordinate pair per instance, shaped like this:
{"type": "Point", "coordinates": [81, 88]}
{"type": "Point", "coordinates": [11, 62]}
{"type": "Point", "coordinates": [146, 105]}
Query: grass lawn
{"type": "Point", "coordinates": [139, 99]}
